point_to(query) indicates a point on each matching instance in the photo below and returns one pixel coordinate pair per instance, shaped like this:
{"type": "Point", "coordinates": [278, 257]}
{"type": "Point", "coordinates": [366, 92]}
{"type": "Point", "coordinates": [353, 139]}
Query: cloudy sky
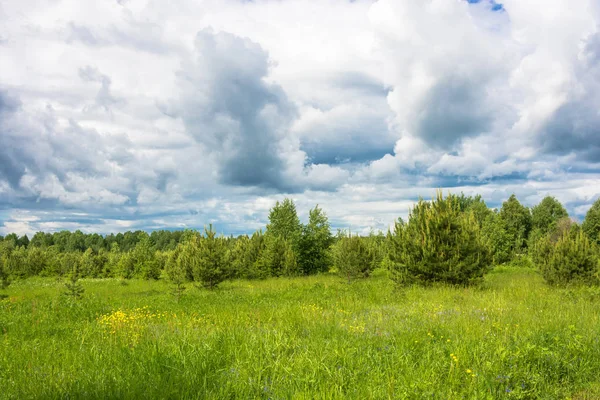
{"type": "Point", "coordinates": [146, 114]}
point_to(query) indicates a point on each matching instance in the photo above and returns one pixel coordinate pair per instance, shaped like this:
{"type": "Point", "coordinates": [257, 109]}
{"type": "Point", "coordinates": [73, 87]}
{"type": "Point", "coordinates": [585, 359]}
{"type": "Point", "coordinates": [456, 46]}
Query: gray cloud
{"type": "Point", "coordinates": [104, 98]}
{"type": "Point", "coordinates": [230, 108]}
{"type": "Point", "coordinates": [453, 109]}
{"type": "Point", "coordinates": [575, 126]}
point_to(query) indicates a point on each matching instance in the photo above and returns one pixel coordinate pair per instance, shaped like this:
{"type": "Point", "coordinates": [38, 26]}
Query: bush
{"type": "Point", "coordinates": [210, 268]}
{"type": "Point", "coordinates": [352, 257]}
{"type": "Point", "coordinates": [73, 288]}
{"type": "Point", "coordinates": [176, 271]}
{"type": "Point", "coordinates": [573, 259]}
{"type": "Point", "coordinates": [440, 243]}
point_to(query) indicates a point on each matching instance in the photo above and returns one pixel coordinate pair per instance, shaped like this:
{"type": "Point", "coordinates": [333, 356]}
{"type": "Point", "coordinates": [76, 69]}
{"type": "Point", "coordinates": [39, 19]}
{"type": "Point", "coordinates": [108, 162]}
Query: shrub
{"type": "Point", "coordinates": [176, 271]}
{"type": "Point", "coordinates": [573, 259]}
{"type": "Point", "coordinates": [352, 258]}
{"type": "Point", "coordinates": [210, 268]}
{"type": "Point", "coordinates": [440, 243]}
{"type": "Point", "coordinates": [73, 288]}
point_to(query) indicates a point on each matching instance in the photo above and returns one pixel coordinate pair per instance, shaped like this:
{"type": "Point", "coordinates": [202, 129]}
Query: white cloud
{"type": "Point", "coordinates": [130, 114]}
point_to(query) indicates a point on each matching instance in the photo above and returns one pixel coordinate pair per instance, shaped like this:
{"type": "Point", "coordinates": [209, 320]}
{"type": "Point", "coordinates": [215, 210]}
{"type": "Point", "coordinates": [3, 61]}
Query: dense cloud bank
{"type": "Point", "coordinates": [139, 115]}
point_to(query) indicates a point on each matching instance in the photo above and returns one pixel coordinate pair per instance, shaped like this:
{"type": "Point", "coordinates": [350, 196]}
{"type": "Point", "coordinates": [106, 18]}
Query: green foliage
{"type": "Point", "coordinates": [284, 221]}
{"type": "Point", "coordinates": [546, 215]}
{"type": "Point", "coordinates": [516, 221]}
{"type": "Point", "coordinates": [541, 246]}
{"type": "Point", "coordinates": [377, 248]}
{"type": "Point", "coordinates": [73, 287]}
{"type": "Point", "coordinates": [498, 241]}
{"type": "Point", "coordinates": [16, 261]}
{"type": "Point", "coordinates": [68, 262]}
{"type": "Point", "coordinates": [352, 258]}
{"type": "Point", "coordinates": [93, 264]}
{"type": "Point", "coordinates": [591, 223]}
{"type": "Point", "coordinates": [112, 263]}
{"type": "Point", "coordinates": [126, 265]}
{"type": "Point", "coordinates": [4, 272]}
{"type": "Point", "coordinates": [573, 259]}
{"type": "Point", "coordinates": [474, 204]}
{"type": "Point", "coordinates": [210, 267]}
{"type": "Point", "coordinates": [314, 243]}
{"type": "Point", "coordinates": [440, 243]}
{"type": "Point", "coordinates": [278, 258]}
{"type": "Point", "coordinates": [145, 263]}
{"type": "Point", "coordinates": [176, 271]}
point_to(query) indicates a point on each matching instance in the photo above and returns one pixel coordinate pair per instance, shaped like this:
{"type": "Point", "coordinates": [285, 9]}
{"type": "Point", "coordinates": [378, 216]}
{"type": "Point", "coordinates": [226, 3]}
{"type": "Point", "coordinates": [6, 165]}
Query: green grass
{"type": "Point", "coordinates": [305, 338]}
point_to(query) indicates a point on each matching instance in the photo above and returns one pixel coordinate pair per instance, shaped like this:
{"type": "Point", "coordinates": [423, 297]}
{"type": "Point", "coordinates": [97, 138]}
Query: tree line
{"type": "Point", "coordinates": [454, 239]}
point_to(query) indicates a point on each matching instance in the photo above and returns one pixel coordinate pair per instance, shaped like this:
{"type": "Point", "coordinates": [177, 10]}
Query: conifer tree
{"type": "Point", "coordinates": [176, 271]}
{"type": "Point", "coordinates": [352, 258]}
{"type": "Point", "coordinates": [73, 287]}
{"type": "Point", "coordinates": [440, 243]}
{"type": "Point", "coordinates": [210, 268]}
{"type": "Point", "coordinates": [278, 258]}
{"type": "Point", "coordinates": [573, 259]}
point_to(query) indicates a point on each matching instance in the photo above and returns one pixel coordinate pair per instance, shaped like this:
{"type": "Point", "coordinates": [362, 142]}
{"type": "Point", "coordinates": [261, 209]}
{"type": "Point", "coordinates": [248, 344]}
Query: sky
{"type": "Point", "coordinates": [120, 115]}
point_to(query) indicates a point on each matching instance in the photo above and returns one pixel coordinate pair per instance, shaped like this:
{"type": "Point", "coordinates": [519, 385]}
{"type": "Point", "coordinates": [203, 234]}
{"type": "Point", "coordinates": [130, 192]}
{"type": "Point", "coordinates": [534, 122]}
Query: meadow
{"type": "Point", "coordinates": [315, 337]}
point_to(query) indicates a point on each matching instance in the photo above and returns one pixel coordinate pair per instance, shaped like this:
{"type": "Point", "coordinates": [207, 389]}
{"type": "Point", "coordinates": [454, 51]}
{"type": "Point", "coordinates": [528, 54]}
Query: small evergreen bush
{"type": "Point", "coordinates": [352, 257]}
{"type": "Point", "coordinates": [573, 259]}
{"type": "Point", "coordinates": [176, 271]}
{"type": "Point", "coordinates": [210, 268]}
{"type": "Point", "coordinates": [73, 288]}
{"type": "Point", "coordinates": [439, 243]}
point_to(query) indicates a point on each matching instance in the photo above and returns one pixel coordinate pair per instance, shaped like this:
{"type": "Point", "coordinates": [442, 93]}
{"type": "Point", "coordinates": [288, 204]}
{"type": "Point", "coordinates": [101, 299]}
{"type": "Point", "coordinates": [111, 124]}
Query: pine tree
{"type": "Point", "coordinates": [278, 258]}
{"type": "Point", "coordinates": [440, 243]}
{"type": "Point", "coordinates": [352, 258]}
{"type": "Point", "coordinates": [73, 287]}
{"type": "Point", "coordinates": [210, 268]}
{"type": "Point", "coordinates": [573, 259]}
{"type": "Point", "coordinates": [176, 271]}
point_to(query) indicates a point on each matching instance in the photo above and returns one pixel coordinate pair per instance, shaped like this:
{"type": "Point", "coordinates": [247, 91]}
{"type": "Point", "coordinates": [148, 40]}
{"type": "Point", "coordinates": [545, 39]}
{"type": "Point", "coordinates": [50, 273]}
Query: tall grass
{"type": "Point", "coordinates": [314, 337]}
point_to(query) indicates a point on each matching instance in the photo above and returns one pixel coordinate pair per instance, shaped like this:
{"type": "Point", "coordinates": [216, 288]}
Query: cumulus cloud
{"type": "Point", "coordinates": [228, 106]}
{"type": "Point", "coordinates": [138, 114]}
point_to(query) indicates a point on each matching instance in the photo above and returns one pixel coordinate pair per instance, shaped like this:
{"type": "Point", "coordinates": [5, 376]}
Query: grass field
{"type": "Point", "coordinates": [305, 338]}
